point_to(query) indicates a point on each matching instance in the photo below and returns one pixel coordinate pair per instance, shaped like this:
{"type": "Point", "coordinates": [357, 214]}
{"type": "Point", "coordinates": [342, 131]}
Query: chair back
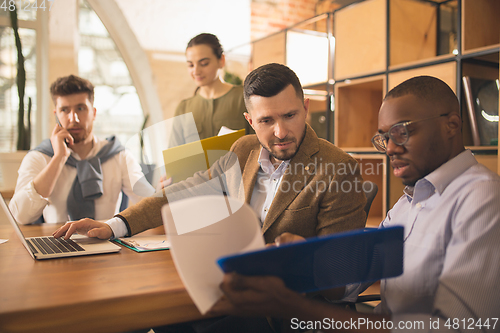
{"type": "Point", "coordinates": [370, 189]}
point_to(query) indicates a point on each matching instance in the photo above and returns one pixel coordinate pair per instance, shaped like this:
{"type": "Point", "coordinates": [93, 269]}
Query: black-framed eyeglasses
{"type": "Point", "coordinates": [398, 133]}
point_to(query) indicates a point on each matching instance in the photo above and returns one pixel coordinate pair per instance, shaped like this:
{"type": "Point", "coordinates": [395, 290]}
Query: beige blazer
{"type": "Point", "coordinates": [320, 193]}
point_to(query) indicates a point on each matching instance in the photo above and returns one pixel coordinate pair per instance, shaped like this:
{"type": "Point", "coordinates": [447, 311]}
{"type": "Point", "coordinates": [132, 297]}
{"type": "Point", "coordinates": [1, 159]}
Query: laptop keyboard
{"type": "Point", "coordinates": [49, 245]}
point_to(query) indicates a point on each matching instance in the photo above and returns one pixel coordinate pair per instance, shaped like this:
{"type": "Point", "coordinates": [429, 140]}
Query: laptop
{"type": "Point", "coordinates": [48, 247]}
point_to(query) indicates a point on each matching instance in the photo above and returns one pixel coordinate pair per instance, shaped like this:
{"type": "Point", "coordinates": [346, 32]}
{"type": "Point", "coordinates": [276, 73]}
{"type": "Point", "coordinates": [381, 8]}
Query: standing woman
{"type": "Point", "coordinates": [215, 103]}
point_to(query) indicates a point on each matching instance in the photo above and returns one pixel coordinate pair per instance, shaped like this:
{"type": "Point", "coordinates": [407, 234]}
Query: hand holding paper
{"type": "Point", "coordinates": [201, 229]}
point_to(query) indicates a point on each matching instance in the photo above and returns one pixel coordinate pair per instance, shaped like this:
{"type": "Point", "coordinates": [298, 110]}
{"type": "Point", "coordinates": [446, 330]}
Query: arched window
{"type": "Point", "coordinates": [9, 99]}
{"type": "Point", "coordinates": [119, 109]}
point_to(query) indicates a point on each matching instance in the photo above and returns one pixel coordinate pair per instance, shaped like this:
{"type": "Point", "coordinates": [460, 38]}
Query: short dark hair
{"type": "Point", "coordinates": [210, 40]}
{"type": "Point", "coordinates": [269, 80]}
{"type": "Point", "coordinates": [69, 85]}
{"type": "Point", "coordinates": [429, 89]}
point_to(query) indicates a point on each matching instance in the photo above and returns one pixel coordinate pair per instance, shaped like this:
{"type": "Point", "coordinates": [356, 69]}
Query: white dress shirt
{"type": "Point", "coordinates": [27, 205]}
{"type": "Point", "coordinates": [267, 184]}
{"type": "Point", "coordinates": [451, 249]}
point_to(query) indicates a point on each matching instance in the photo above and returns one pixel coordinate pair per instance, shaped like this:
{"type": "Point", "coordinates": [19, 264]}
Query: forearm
{"type": "Point", "coordinates": [27, 205]}
{"type": "Point", "coordinates": [144, 215]}
{"type": "Point", "coordinates": [147, 213]}
{"type": "Point", "coordinates": [45, 181]}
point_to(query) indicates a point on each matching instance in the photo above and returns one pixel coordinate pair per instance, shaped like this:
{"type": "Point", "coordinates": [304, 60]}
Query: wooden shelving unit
{"type": "Point", "coordinates": [373, 168]}
{"type": "Point", "coordinates": [381, 43]}
{"type": "Point", "coordinates": [374, 45]}
{"type": "Point", "coordinates": [356, 118]}
{"type": "Point", "coordinates": [288, 47]}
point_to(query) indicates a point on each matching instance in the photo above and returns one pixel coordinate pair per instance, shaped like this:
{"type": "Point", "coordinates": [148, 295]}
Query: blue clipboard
{"type": "Point", "coordinates": [324, 262]}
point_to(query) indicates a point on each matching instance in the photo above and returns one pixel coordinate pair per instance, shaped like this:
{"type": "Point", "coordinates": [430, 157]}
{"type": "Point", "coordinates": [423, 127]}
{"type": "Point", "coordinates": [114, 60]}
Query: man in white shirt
{"type": "Point", "coordinates": [452, 230]}
{"type": "Point", "coordinates": [48, 189]}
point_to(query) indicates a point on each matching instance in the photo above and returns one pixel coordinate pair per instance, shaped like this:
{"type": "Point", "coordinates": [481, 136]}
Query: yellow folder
{"type": "Point", "coordinates": [185, 160]}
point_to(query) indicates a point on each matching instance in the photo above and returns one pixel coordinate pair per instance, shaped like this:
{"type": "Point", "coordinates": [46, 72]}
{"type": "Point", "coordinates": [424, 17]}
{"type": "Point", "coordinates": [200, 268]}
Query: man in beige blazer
{"type": "Point", "coordinates": [296, 182]}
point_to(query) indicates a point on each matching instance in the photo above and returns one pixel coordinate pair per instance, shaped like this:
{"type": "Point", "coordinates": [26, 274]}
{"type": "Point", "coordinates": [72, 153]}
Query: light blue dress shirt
{"type": "Point", "coordinates": [451, 250]}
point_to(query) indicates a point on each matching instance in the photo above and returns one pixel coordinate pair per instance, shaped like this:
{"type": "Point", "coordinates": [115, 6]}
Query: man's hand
{"type": "Point", "coordinates": [255, 296]}
{"type": "Point", "coordinates": [331, 294]}
{"type": "Point", "coordinates": [46, 179]}
{"type": "Point", "coordinates": [287, 237]}
{"type": "Point", "coordinates": [164, 182]}
{"type": "Point", "coordinates": [87, 227]}
{"type": "Point", "coordinates": [60, 140]}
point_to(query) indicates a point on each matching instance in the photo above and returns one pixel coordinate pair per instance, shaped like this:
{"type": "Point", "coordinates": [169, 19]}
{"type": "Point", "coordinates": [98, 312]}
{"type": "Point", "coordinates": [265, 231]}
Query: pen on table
{"type": "Point", "coordinates": [128, 242]}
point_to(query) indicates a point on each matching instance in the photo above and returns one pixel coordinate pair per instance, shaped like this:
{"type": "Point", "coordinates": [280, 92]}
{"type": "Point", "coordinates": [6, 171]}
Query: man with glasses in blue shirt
{"type": "Point", "coordinates": [450, 211]}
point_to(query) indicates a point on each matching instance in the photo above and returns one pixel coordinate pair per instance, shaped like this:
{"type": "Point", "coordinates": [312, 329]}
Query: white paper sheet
{"type": "Point", "coordinates": [225, 130]}
{"type": "Point", "coordinates": [195, 252]}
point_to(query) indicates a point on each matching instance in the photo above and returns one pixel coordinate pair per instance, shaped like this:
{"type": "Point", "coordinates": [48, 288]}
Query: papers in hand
{"type": "Point", "coordinates": [145, 243]}
{"type": "Point", "coordinates": [225, 130]}
{"type": "Point", "coordinates": [202, 229]}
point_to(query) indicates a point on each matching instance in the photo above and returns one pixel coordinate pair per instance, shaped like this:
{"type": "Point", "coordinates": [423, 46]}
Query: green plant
{"type": "Point", "coordinates": [141, 138]}
{"type": "Point", "coordinates": [23, 130]}
{"type": "Point", "coordinates": [233, 79]}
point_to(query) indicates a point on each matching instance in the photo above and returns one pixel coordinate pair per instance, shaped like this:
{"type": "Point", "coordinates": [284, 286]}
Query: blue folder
{"type": "Point", "coordinates": [326, 261]}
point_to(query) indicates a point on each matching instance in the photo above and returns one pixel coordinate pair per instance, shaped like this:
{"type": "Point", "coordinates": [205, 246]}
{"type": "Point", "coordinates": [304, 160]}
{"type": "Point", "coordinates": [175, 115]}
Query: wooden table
{"type": "Point", "coordinates": [99, 293]}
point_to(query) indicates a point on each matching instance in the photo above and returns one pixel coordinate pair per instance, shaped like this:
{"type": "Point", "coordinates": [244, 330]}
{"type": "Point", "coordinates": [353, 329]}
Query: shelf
{"type": "Point", "coordinates": [357, 103]}
{"type": "Point", "coordinates": [479, 127]}
{"type": "Point", "coordinates": [322, 86]}
{"type": "Point", "coordinates": [488, 53]}
{"type": "Point", "coordinates": [483, 149]}
{"type": "Point", "coordinates": [374, 222]}
{"type": "Point", "coordinates": [368, 150]}
{"type": "Point", "coordinates": [413, 31]}
{"type": "Point", "coordinates": [317, 115]}
{"type": "Point", "coordinates": [291, 46]}
{"type": "Point", "coordinates": [423, 63]}
{"type": "Point", "coordinates": [480, 24]}
{"type": "Point", "coordinates": [361, 35]}
{"type": "Point", "coordinates": [446, 71]}
{"type": "Point", "coordinates": [425, 37]}
{"type": "Point", "coordinates": [360, 39]}
{"type": "Point", "coordinates": [422, 41]}
{"type": "Point", "coordinates": [373, 168]}
{"type": "Point", "coordinates": [269, 49]}
{"type": "Point", "coordinates": [396, 188]}
{"type": "Point", "coordinates": [489, 161]}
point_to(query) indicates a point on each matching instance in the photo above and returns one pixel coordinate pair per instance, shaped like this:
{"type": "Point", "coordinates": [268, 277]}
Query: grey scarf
{"type": "Point", "coordinates": [88, 182]}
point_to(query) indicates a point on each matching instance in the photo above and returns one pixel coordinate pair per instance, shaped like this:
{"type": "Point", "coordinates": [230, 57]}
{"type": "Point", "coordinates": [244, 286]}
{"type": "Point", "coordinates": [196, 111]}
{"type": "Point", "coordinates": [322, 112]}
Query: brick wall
{"type": "Point", "coordinates": [270, 16]}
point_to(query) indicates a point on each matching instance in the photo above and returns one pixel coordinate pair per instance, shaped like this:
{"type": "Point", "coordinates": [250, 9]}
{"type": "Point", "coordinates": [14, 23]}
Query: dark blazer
{"type": "Point", "coordinates": [320, 193]}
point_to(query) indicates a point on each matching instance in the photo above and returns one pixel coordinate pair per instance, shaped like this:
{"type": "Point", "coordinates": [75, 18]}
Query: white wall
{"type": "Point", "coordinates": [168, 25]}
